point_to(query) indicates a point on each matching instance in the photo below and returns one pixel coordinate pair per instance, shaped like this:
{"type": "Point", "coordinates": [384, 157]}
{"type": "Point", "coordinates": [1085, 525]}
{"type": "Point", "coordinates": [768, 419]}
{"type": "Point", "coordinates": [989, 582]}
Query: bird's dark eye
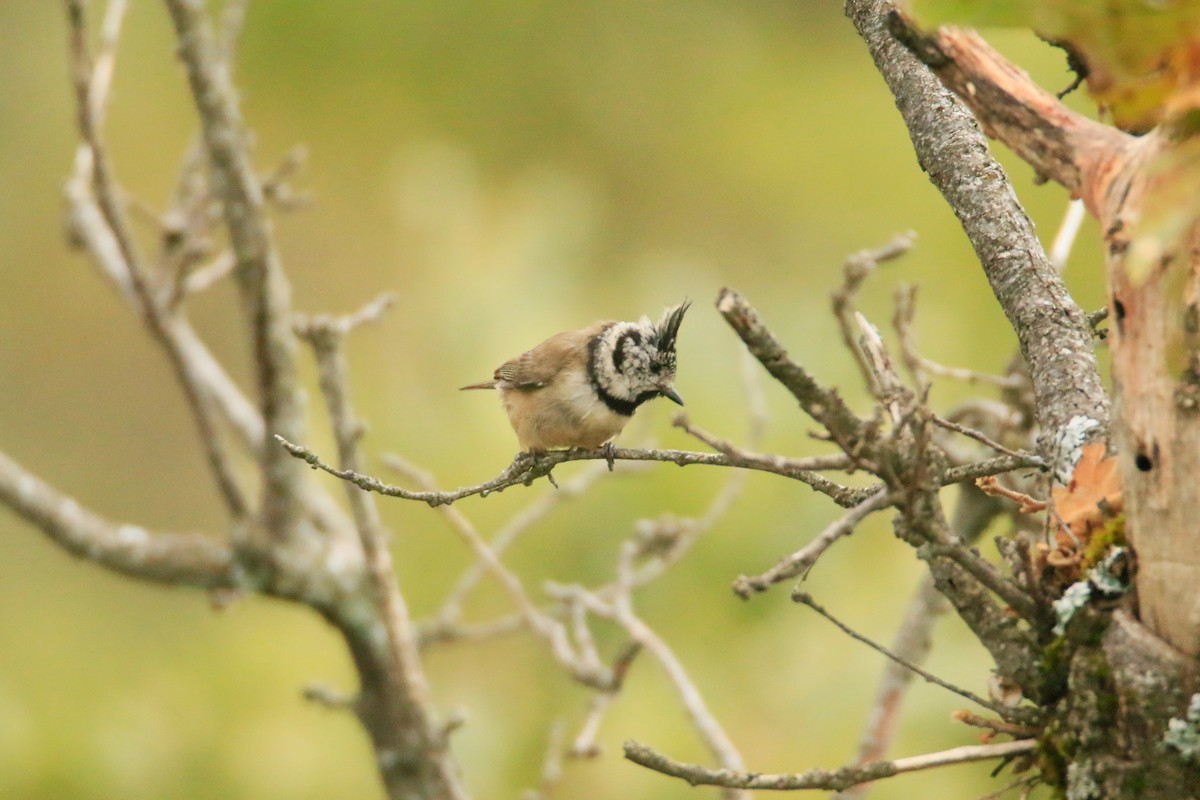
{"type": "Point", "coordinates": [656, 368]}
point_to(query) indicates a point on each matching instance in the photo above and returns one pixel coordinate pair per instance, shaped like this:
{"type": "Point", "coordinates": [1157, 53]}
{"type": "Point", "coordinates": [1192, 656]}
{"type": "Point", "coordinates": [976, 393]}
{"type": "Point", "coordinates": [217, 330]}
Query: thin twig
{"type": "Point", "coordinates": [1068, 230]}
{"type": "Point", "coordinates": [978, 436]}
{"type": "Point", "coordinates": [328, 697]}
{"type": "Point", "coordinates": [440, 632]}
{"type": "Point", "coordinates": [914, 638]}
{"type": "Point", "coordinates": [856, 269]}
{"type": "Point", "coordinates": [702, 718]}
{"type": "Point", "coordinates": [837, 779]}
{"type": "Point", "coordinates": [822, 404]}
{"type": "Point", "coordinates": [504, 536]}
{"type": "Point", "coordinates": [806, 599]}
{"type": "Point", "coordinates": [889, 390]}
{"type": "Point", "coordinates": [1025, 504]}
{"type": "Point", "coordinates": [588, 671]}
{"type": "Point", "coordinates": [552, 767]}
{"type": "Point", "coordinates": [276, 185]}
{"type": "Point", "coordinates": [528, 468]}
{"type": "Point", "coordinates": [801, 561]}
{"type": "Point", "coordinates": [205, 277]}
{"type": "Point", "coordinates": [911, 643]}
{"type": "Point", "coordinates": [1025, 781]}
{"type": "Point", "coordinates": [106, 57]}
{"type": "Point", "coordinates": [96, 198]}
{"type": "Point", "coordinates": [992, 466]}
{"type": "Point", "coordinates": [920, 367]}
{"type": "Point", "coordinates": [584, 745]}
{"type": "Point", "coordinates": [995, 725]}
{"type": "Point", "coordinates": [779, 465]}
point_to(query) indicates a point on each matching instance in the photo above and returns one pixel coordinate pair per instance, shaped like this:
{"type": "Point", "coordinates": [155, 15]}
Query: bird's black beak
{"type": "Point", "coordinates": [670, 393]}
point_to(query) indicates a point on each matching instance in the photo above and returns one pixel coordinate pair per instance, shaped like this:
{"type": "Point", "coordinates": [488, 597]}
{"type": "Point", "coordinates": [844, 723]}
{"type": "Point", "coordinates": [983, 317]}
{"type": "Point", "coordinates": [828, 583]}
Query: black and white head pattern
{"type": "Point", "coordinates": [632, 362]}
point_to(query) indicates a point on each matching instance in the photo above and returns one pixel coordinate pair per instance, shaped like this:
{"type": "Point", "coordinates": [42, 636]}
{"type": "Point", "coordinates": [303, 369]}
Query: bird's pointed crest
{"type": "Point", "coordinates": [667, 330]}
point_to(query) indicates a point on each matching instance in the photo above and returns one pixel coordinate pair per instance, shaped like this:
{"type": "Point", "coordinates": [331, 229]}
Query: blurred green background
{"type": "Point", "coordinates": [510, 170]}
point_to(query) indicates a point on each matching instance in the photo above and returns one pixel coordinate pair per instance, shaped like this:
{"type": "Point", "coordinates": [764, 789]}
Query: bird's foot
{"type": "Point", "coordinates": [529, 465]}
{"type": "Point", "coordinates": [610, 454]}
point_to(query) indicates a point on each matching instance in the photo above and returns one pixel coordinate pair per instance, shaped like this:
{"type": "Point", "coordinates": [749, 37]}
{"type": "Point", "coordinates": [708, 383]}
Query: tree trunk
{"type": "Point", "coordinates": [1155, 312]}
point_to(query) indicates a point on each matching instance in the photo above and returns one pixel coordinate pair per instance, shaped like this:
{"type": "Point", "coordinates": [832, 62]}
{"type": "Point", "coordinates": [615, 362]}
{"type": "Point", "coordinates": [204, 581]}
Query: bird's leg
{"type": "Point", "coordinates": [527, 467]}
{"type": "Point", "coordinates": [610, 453]}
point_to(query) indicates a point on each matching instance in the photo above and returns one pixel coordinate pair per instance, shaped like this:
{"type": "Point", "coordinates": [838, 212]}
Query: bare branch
{"type": "Point", "coordinates": [804, 598]}
{"type": "Point", "coordinates": [992, 466]}
{"type": "Point", "coordinates": [277, 187]}
{"type": "Point", "coordinates": [397, 710]}
{"type": "Point", "coordinates": [1013, 645]}
{"type": "Point", "coordinates": [800, 562]}
{"type": "Point", "coordinates": [801, 469]}
{"type": "Point", "coordinates": [822, 404]}
{"type": "Point", "coordinates": [911, 643]}
{"type": "Point", "coordinates": [978, 436]}
{"type": "Point", "coordinates": [780, 465]}
{"type": "Point", "coordinates": [914, 638]}
{"type": "Point", "coordinates": [173, 558]}
{"type": "Point", "coordinates": [837, 780]}
{"type": "Point", "coordinates": [706, 724]}
{"type": "Point", "coordinates": [504, 537]}
{"type": "Point", "coordinates": [527, 468]}
{"type": "Point", "coordinates": [102, 224]}
{"type": "Point", "coordinates": [202, 278]}
{"type": "Point", "coordinates": [584, 745]}
{"type": "Point", "coordinates": [855, 271]}
{"type": "Point", "coordinates": [918, 365]}
{"type": "Point", "coordinates": [438, 631]}
{"type": "Point", "coordinates": [233, 20]}
{"type": "Point", "coordinates": [1025, 503]}
{"type": "Point", "coordinates": [1025, 782]}
{"type": "Point", "coordinates": [264, 288]}
{"type": "Point", "coordinates": [585, 669]}
{"type": "Point", "coordinates": [995, 725]}
{"type": "Point", "coordinates": [1068, 230]}
{"type": "Point", "coordinates": [551, 764]}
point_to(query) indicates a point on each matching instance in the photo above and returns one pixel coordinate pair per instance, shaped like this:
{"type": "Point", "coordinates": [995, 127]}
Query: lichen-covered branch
{"type": "Point", "coordinates": [1052, 330]}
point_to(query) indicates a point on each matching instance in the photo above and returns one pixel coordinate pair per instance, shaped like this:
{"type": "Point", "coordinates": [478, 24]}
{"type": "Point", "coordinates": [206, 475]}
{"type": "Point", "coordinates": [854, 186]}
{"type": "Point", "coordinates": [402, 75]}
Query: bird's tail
{"type": "Point", "coordinates": [486, 385]}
